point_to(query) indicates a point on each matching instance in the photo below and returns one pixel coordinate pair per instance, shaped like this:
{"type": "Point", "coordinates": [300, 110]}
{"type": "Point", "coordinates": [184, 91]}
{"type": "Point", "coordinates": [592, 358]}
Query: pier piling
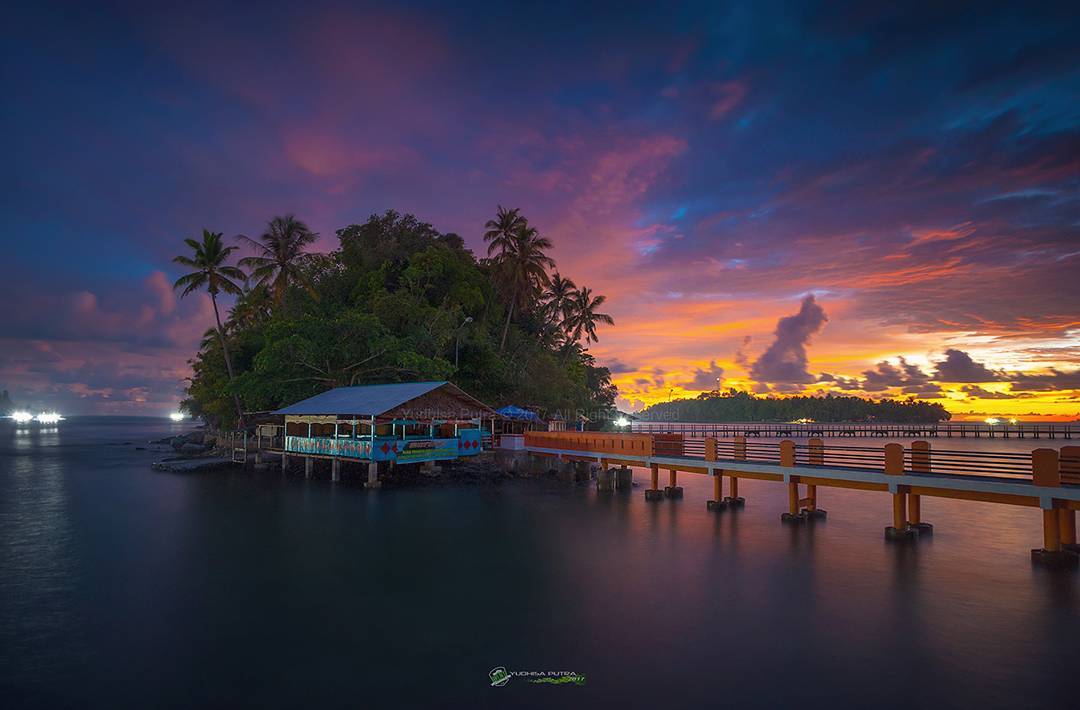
{"type": "Point", "coordinates": [899, 531]}
{"type": "Point", "coordinates": [717, 503]}
{"type": "Point", "coordinates": [787, 459]}
{"type": "Point", "coordinates": [653, 492]}
{"type": "Point", "coordinates": [920, 463]}
{"type": "Point", "coordinates": [1046, 472]}
{"type": "Point", "coordinates": [739, 452]}
{"type": "Point", "coordinates": [373, 476]}
{"type": "Point", "coordinates": [673, 489]}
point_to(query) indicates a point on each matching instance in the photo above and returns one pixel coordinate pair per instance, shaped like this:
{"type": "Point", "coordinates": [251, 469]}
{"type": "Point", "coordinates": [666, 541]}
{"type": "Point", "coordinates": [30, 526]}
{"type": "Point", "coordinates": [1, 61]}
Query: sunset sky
{"type": "Point", "coordinates": [880, 199]}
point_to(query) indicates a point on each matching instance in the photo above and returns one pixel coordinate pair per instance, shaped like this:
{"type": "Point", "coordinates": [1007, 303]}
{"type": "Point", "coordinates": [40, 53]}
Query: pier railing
{"type": "Point", "coordinates": [918, 457]}
{"type": "Point", "coordinates": [872, 458]}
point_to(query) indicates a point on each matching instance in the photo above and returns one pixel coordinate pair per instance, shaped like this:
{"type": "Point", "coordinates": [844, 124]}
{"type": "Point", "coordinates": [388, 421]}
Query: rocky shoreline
{"type": "Point", "coordinates": [195, 451]}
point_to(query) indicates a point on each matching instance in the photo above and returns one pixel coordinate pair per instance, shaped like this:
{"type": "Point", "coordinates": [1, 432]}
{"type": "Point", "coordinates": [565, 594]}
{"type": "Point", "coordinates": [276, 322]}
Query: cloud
{"type": "Point", "coordinates": [840, 382]}
{"type": "Point", "coordinates": [907, 376]}
{"type": "Point", "coordinates": [959, 367]}
{"type": "Point", "coordinates": [617, 367]}
{"type": "Point", "coordinates": [1051, 381]}
{"type": "Point", "coordinates": [976, 392]}
{"type": "Point", "coordinates": [785, 361]}
{"type": "Point", "coordinates": [727, 95]}
{"type": "Point", "coordinates": [705, 379]}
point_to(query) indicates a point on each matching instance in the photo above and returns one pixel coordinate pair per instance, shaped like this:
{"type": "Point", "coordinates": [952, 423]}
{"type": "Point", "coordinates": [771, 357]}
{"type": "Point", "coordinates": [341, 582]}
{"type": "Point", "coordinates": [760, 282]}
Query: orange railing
{"type": "Point", "coordinates": [918, 458]}
{"type": "Point", "coordinates": [593, 442]}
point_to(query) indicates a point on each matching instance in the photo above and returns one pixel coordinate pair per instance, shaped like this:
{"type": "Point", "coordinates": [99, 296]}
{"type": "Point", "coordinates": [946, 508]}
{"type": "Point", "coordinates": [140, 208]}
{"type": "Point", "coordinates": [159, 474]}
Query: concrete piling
{"type": "Point", "coordinates": [899, 531]}
{"type": "Point", "coordinates": [787, 459]}
{"type": "Point", "coordinates": [605, 478]}
{"type": "Point", "coordinates": [673, 490]}
{"type": "Point", "coordinates": [1046, 473]}
{"type": "Point", "coordinates": [373, 476]}
{"type": "Point", "coordinates": [653, 492]}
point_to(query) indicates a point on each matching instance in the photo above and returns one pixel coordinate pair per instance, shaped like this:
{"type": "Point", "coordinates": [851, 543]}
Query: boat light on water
{"type": "Point", "coordinates": [22, 417]}
{"type": "Point", "coordinates": [992, 421]}
{"type": "Point", "coordinates": [176, 416]}
{"type": "Point", "coordinates": [48, 418]}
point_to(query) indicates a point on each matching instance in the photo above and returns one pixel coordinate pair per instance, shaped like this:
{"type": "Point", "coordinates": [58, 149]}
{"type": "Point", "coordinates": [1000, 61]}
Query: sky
{"type": "Point", "coordinates": [868, 198]}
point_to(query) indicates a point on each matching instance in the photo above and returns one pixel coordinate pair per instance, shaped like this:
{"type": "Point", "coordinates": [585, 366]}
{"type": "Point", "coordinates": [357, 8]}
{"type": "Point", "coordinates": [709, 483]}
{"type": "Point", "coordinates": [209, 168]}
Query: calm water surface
{"type": "Point", "coordinates": [122, 587]}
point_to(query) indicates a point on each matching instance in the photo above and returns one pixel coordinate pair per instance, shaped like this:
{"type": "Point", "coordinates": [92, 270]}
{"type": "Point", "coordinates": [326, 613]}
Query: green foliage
{"type": "Point", "coordinates": [734, 406]}
{"type": "Point", "coordinates": [393, 304]}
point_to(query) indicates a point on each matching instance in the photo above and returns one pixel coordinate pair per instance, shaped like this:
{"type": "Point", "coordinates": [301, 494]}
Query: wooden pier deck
{"type": "Point", "coordinates": [1046, 478]}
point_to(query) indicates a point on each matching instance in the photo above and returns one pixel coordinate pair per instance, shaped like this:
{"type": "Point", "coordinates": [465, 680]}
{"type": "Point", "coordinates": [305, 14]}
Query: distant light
{"type": "Point", "coordinates": [48, 418]}
{"type": "Point", "coordinates": [176, 416]}
{"type": "Point", "coordinates": [22, 417]}
{"type": "Point", "coordinates": [622, 421]}
{"type": "Point", "coordinates": [1013, 420]}
{"type": "Point", "coordinates": [992, 421]}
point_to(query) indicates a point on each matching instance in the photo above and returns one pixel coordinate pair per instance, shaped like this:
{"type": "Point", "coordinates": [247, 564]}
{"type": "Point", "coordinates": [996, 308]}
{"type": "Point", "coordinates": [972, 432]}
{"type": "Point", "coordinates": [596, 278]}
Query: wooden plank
{"type": "Point", "coordinates": [834, 483]}
{"type": "Point", "coordinates": [983, 497]}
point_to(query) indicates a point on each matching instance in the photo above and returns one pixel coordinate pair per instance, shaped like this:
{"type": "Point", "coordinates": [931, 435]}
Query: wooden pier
{"type": "Point", "coordinates": [1046, 478]}
{"type": "Point", "coordinates": [841, 430]}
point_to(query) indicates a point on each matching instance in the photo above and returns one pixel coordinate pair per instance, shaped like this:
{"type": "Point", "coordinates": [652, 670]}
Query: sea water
{"type": "Point", "coordinates": [125, 587]}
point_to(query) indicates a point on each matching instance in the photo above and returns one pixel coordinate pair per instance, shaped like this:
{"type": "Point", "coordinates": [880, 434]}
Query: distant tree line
{"type": "Point", "coordinates": [396, 301]}
{"type": "Point", "coordinates": [736, 406]}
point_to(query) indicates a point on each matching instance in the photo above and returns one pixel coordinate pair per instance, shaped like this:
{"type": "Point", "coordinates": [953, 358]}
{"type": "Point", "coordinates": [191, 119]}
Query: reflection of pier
{"type": "Point", "coordinates": [1047, 479]}
{"type": "Point", "coordinates": [826, 430]}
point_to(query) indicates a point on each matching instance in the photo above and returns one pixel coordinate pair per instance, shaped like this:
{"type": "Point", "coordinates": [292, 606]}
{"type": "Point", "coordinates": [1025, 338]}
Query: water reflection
{"type": "Point", "coordinates": [408, 597]}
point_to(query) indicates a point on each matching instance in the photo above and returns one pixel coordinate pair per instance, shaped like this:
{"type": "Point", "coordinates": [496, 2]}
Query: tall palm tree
{"type": "Point", "coordinates": [521, 266]}
{"type": "Point", "coordinates": [584, 317]}
{"type": "Point", "coordinates": [558, 297]}
{"type": "Point", "coordinates": [501, 230]}
{"type": "Point", "coordinates": [281, 257]}
{"type": "Point", "coordinates": [210, 271]}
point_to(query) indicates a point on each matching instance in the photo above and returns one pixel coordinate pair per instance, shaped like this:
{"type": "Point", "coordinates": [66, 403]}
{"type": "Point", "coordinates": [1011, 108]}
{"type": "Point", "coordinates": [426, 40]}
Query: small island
{"type": "Point", "coordinates": [736, 406]}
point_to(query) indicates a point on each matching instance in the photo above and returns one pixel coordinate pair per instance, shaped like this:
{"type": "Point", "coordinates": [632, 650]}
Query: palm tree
{"type": "Point", "coordinates": [557, 299]}
{"type": "Point", "coordinates": [584, 317]}
{"type": "Point", "coordinates": [251, 308]}
{"type": "Point", "coordinates": [521, 266]}
{"type": "Point", "coordinates": [501, 230]}
{"type": "Point", "coordinates": [211, 272]}
{"type": "Point", "coordinates": [281, 257]}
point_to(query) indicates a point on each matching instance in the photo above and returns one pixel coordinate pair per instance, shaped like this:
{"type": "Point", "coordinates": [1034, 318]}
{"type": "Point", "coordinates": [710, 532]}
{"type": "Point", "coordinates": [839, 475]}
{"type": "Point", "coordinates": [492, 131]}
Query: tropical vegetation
{"type": "Point", "coordinates": [736, 406]}
{"type": "Point", "coordinates": [395, 300]}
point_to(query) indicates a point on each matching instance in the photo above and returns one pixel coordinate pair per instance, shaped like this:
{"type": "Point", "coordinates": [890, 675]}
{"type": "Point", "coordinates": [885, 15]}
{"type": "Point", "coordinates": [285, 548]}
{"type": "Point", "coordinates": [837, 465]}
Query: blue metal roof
{"type": "Point", "coordinates": [512, 412]}
{"type": "Point", "coordinates": [369, 400]}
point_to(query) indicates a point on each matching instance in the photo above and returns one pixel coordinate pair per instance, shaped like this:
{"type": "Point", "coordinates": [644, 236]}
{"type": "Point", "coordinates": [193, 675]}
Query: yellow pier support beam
{"type": "Point", "coordinates": [816, 457]}
{"type": "Point", "coordinates": [787, 459]}
{"type": "Point", "coordinates": [1046, 473]}
{"type": "Point", "coordinates": [717, 503]}
{"type": "Point", "coordinates": [920, 463]}
{"type": "Point", "coordinates": [739, 450]}
{"type": "Point", "coordinates": [894, 466]}
{"type": "Point", "coordinates": [653, 492]}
